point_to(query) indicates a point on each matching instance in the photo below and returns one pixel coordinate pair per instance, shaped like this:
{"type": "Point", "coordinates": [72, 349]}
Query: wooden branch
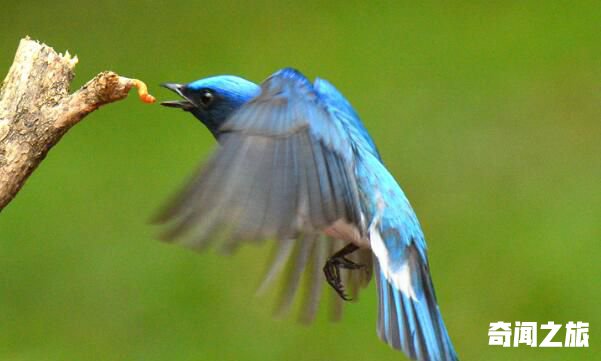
{"type": "Point", "coordinates": [36, 108]}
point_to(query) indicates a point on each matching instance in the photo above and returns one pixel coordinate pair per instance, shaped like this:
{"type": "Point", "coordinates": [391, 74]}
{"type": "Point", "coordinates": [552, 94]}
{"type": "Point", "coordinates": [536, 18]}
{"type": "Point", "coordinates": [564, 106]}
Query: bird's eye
{"type": "Point", "coordinates": [206, 97]}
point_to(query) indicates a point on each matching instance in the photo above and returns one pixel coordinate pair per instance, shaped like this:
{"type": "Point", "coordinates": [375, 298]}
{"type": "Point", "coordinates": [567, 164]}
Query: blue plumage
{"type": "Point", "coordinates": [296, 163]}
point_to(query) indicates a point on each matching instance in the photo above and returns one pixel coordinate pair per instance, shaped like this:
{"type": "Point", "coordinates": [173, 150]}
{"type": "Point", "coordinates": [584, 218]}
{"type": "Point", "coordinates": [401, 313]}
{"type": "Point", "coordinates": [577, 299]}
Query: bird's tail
{"type": "Point", "coordinates": [411, 321]}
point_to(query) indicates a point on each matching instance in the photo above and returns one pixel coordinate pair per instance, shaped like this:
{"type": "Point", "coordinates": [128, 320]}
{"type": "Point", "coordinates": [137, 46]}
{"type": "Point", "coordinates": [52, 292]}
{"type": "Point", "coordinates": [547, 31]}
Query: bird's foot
{"type": "Point", "coordinates": [333, 266]}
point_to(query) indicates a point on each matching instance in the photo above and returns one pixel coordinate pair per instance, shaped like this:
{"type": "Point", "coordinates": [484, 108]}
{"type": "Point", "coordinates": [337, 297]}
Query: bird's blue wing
{"type": "Point", "coordinates": [342, 111]}
{"type": "Point", "coordinates": [284, 171]}
{"type": "Point", "coordinates": [412, 321]}
{"type": "Point", "coordinates": [409, 318]}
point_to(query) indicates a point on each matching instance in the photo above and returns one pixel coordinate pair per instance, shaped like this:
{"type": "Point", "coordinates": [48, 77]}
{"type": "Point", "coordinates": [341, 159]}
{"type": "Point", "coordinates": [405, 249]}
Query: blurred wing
{"type": "Point", "coordinates": [284, 169]}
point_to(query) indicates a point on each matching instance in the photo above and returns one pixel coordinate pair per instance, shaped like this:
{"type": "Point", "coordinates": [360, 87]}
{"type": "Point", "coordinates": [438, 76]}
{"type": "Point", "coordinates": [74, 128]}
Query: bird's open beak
{"type": "Point", "coordinates": [184, 104]}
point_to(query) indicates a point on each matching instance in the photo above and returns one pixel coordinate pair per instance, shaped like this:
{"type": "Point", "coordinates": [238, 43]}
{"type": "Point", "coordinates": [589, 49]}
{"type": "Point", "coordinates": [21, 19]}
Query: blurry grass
{"type": "Point", "coordinates": [487, 114]}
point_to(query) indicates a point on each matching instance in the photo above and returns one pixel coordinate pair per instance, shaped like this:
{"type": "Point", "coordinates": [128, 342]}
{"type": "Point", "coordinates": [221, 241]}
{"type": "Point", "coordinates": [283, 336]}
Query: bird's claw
{"type": "Point", "coordinates": [332, 272]}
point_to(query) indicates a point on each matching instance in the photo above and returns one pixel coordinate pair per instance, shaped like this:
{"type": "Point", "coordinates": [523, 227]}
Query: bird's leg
{"type": "Point", "coordinates": [335, 263]}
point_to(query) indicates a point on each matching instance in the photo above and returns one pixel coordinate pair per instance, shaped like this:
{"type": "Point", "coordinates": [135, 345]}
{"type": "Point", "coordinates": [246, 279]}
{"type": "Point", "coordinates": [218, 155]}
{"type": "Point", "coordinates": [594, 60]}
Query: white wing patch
{"type": "Point", "coordinates": [401, 278]}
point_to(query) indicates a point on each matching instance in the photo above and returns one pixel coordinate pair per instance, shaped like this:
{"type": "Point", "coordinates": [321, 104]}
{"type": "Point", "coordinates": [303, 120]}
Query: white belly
{"type": "Point", "coordinates": [347, 232]}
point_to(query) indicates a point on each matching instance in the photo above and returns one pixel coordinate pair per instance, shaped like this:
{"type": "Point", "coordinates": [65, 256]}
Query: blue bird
{"type": "Point", "coordinates": [296, 165]}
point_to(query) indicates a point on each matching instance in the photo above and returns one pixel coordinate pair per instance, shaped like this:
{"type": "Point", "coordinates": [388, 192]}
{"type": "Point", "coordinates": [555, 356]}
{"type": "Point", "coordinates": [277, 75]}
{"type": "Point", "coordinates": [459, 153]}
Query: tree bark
{"type": "Point", "coordinates": [36, 109]}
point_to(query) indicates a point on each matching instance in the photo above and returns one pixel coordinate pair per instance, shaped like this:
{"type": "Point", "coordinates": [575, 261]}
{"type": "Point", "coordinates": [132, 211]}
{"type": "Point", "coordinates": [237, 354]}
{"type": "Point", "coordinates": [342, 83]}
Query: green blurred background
{"type": "Point", "coordinates": [488, 115]}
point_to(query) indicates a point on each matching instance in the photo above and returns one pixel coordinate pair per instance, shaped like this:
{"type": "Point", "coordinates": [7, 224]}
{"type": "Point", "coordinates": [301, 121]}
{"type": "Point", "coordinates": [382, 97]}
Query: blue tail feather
{"type": "Point", "coordinates": [414, 326]}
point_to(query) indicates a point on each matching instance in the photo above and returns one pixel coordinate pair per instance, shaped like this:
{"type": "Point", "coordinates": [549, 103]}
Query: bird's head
{"type": "Point", "coordinates": [213, 99]}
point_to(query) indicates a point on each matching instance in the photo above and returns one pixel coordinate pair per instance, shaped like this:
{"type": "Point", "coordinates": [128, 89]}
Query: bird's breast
{"type": "Point", "coordinates": [346, 232]}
